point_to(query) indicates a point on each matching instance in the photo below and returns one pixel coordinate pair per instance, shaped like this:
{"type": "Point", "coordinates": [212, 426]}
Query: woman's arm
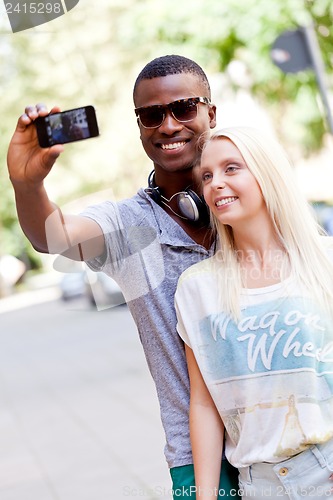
{"type": "Point", "coordinates": [206, 431]}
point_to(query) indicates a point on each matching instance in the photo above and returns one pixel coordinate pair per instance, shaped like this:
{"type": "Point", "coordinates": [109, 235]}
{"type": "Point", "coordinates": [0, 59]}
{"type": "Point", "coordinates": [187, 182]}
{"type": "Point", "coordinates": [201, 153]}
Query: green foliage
{"type": "Point", "coordinates": [221, 32]}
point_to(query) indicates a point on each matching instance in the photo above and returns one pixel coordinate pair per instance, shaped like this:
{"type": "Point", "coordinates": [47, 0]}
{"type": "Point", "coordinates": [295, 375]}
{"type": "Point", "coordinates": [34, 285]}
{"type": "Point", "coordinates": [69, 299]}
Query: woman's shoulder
{"type": "Point", "coordinates": [200, 270]}
{"type": "Point", "coordinates": [327, 242]}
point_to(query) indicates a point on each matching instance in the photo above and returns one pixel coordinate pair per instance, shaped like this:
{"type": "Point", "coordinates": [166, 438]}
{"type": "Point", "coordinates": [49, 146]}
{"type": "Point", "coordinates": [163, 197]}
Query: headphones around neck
{"type": "Point", "coordinates": [191, 206]}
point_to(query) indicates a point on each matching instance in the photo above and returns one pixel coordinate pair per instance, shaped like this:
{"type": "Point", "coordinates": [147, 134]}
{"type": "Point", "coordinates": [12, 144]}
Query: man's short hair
{"type": "Point", "coordinates": [171, 65]}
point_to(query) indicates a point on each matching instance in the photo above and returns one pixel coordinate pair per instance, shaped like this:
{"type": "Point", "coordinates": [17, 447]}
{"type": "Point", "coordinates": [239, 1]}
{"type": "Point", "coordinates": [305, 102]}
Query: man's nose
{"type": "Point", "coordinates": [170, 124]}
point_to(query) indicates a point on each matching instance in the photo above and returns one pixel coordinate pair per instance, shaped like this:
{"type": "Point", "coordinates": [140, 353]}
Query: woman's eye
{"type": "Point", "coordinates": [206, 176]}
{"type": "Point", "coordinates": [232, 168]}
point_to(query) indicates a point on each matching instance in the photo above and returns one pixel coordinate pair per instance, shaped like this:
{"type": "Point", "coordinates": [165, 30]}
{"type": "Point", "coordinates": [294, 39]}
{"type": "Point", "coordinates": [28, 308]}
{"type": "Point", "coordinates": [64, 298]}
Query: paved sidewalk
{"type": "Point", "coordinates": [79, 418]}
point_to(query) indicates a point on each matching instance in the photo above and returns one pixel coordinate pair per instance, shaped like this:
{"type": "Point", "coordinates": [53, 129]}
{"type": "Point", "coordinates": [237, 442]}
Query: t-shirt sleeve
{"type": "Point", "coordinates": [107, 216]}
{"type": "Point", "coordinates": [182, 313]}
{"type": "Point", "coordinates": [328, 243]}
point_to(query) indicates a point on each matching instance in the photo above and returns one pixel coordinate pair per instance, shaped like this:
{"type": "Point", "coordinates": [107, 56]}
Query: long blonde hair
{"type": "Point", "coordinates": [296, 227]}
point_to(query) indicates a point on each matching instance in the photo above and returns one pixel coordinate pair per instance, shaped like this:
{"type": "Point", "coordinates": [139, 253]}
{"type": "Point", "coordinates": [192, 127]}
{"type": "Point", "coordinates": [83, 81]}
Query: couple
{"type": "Point", "coordinates": [146, 243]}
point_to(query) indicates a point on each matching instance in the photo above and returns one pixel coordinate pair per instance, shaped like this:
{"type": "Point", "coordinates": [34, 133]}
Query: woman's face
{"type": "Point", "coordinates": [230, 189]}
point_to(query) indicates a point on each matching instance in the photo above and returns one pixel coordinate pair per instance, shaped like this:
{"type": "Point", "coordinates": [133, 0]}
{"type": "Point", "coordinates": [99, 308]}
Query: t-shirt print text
{"type": "Point", "coordinates": [264, 340]}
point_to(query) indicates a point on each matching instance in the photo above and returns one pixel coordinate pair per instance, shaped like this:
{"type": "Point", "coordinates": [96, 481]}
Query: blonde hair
{"type": "Point", "coordinates": [296, 227]}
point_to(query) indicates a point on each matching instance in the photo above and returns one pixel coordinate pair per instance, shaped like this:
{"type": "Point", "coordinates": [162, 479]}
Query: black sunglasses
{"type": "Point", "coordinates": [183, 110]}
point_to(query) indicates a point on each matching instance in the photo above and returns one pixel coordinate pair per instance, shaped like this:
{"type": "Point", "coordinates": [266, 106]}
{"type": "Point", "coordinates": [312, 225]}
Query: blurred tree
{"type": "Point", "coordinates": [219, 33]}
{"type": "Point", "coordinates": [93, 54]}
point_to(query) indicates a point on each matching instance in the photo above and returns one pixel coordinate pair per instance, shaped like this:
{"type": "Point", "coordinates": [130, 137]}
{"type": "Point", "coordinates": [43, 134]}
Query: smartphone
{"type": "Point", "coordinates": [68, 126]}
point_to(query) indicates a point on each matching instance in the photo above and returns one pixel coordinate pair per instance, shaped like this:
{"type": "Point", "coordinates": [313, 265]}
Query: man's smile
{"type": "Point", "coordinates": [173, 145]}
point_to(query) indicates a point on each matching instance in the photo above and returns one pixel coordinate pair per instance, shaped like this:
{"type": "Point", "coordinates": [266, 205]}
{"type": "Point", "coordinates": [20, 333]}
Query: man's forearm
{"type": "Point", "coordinates": [33, 209]}
{"type": "Point", "coordinates": [49, 231]}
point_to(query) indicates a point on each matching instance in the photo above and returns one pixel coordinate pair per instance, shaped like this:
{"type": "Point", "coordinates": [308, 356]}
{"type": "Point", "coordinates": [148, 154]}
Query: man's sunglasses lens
{"type": "Point", "coordinates": [183, 111]}
{"type": "Point", "coordinates": [151, 117]}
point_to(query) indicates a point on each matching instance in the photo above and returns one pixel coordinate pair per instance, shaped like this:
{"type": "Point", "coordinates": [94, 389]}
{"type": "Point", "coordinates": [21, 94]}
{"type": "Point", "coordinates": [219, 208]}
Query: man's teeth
{"type": "Point", "coordinates": [225, 201]}
{"type": "Point", "coordinates": [174, 145]}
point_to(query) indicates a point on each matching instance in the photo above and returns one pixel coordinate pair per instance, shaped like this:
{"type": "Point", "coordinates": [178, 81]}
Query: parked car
{"type": "Point", "coordinates": [100, 290]}
{"type": "Point", "coordinates": [72, 285]}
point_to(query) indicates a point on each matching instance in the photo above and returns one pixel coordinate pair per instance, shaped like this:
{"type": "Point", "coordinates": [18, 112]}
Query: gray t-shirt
{"type": "Point", "coordinates": [146, 251]}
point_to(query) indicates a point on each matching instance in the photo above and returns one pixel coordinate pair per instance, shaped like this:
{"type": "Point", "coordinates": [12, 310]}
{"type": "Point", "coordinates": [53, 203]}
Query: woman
{"type": "Point", "coordinates": [257, 321]}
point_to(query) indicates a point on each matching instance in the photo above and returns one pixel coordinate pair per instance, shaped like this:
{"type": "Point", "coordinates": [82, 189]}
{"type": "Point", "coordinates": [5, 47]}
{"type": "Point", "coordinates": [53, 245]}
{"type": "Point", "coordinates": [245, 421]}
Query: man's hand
{"type": "Point", "coordinates": [28, 163]}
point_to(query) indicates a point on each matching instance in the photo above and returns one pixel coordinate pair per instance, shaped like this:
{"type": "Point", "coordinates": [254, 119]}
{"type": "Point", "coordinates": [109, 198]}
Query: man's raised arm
{"type": "Point", "coordinates": [48, 230]}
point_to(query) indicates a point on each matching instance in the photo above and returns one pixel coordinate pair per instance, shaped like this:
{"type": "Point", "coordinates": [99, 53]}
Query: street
{"type": "Point", "coordinates": [79, 418]}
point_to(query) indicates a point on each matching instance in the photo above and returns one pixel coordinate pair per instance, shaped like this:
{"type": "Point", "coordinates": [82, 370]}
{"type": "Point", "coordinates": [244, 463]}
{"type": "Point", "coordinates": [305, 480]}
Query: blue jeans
{"type": "Point", "coordinates": [309, 474]}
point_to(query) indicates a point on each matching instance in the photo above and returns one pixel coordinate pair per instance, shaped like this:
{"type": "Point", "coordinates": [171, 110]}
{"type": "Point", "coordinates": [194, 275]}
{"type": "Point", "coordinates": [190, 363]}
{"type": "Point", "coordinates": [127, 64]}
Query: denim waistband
{"type": "Point", "coordinates": [319, 454]}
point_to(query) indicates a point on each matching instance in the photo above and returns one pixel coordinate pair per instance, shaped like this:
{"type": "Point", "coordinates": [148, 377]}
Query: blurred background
{"type": "Point", "coordinates": [64, 395]}
{"type": "Point", "coordinates": [93, 54]}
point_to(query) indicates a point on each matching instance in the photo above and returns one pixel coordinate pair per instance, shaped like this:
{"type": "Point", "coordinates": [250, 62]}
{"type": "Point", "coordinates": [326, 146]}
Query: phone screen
{"type": "Point", "coordinates": [67, 126]}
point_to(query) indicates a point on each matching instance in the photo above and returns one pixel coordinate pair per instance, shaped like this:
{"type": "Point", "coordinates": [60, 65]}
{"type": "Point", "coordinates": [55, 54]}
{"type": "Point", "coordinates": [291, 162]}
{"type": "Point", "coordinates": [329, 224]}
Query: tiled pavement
{"type": "Point", "coordinates": [79, 418]}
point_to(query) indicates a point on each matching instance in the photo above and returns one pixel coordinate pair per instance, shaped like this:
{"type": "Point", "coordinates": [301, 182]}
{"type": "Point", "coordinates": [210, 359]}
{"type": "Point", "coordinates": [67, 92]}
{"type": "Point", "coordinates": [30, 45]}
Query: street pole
{"type": "Point", "coordinates": [298, 50]}
{"type": "Point", "coordinates": [319, 70]}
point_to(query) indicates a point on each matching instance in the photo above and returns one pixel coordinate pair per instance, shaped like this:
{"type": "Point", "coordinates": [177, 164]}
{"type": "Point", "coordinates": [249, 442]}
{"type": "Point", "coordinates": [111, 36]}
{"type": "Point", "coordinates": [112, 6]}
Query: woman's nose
{"type": "Point", "coordinates": [218, 182]}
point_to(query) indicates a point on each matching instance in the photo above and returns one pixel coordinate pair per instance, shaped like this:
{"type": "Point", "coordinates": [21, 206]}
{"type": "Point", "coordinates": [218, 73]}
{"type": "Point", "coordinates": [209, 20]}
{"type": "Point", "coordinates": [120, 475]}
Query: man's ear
{"type": "Point", "coordinates": [212, 116]}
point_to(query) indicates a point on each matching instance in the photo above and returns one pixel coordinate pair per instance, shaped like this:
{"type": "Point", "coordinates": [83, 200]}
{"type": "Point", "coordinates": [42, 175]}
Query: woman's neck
{"type": "Point", "coordinates": [263, 260]}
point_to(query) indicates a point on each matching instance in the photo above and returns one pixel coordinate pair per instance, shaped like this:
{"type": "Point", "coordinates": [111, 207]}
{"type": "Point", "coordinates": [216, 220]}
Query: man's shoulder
{"type": "Point", "coordinates": [137, 209]}
{"type": "Point", "coordinates": [131, 207]}
{"type": "Point", "coordinates": [130, 212]}
{"type": "Point", "coordinates": [139, 199]}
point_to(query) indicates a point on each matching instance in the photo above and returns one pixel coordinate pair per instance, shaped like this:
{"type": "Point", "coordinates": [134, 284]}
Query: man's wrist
{"type": "Point", "coordinates": [27, 188]}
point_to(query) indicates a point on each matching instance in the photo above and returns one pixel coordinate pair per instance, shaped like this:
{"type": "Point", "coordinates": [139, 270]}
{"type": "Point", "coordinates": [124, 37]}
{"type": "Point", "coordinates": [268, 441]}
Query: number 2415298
{"type": "Point", "coordinates": [33, 8]}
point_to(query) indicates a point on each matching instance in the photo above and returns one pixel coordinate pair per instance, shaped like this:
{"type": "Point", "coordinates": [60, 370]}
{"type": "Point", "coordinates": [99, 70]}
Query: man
{"type": "Point", "coordinates": [144, 242]}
